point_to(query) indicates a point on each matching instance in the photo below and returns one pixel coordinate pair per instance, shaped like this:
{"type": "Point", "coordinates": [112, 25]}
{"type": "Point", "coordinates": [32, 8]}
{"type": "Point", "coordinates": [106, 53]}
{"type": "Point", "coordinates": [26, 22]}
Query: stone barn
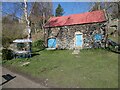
{"type": "Point", "coordinates": [76, 31]}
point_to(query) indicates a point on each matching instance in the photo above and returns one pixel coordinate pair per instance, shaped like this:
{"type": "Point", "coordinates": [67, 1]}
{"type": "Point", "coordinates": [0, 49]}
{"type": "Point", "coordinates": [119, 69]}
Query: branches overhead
{"type": "Point", "coordinates": [40, 8]}
{"type": "Point", "coordinates": [15, 9]}
{"type": "Point", "coordinates": [40, 13]}
{"type": "Point", "coordinates": [112, 8]}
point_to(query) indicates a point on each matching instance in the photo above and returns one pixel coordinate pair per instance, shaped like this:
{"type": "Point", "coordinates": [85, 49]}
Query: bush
{"type": "Point", "coordinates": [6, 42]}
{"type": "Point", "coordinates": [39, 44]}
{"type": "Point", "coordinates": [7, 54]}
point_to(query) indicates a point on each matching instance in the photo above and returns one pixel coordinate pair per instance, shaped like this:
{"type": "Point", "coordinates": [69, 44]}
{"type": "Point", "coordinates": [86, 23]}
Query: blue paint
{"type": "Point", "coordinates": [52, 43]}
{"type": "Point", "coordinates": [79, 40]}
{"type": "Point", "coordinates": [98, 37]}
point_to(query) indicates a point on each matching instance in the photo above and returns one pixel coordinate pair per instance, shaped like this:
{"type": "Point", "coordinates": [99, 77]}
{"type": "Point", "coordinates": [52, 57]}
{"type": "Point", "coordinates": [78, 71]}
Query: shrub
{"type": "Point", "coordinates": [7, 54]}
{"type": "Point", "coordinates": [39, 44]}
{"type": "Point", "coordinates": [6, 42]}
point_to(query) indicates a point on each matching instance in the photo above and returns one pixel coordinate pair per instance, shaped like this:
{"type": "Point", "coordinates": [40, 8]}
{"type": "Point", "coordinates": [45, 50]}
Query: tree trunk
{"type": "Point", "coordinates": [28, 28]}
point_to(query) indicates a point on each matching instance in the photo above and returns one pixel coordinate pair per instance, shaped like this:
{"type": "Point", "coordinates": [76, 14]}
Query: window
{"type": "Point", "coordinates": [21, 46]}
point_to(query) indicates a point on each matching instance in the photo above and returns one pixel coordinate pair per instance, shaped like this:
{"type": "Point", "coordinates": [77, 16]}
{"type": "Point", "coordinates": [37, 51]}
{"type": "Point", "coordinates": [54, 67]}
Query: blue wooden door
{"type": "Point", "coordinates": [52, 43]}
{"type": "Point", "coordinates": [79, 40]}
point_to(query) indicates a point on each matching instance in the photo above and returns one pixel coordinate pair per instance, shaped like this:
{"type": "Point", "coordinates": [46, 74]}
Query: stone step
{"type": "Point", "coordinates": [76, 51]}
{"type": "Point", "coordinates": [50, 48]}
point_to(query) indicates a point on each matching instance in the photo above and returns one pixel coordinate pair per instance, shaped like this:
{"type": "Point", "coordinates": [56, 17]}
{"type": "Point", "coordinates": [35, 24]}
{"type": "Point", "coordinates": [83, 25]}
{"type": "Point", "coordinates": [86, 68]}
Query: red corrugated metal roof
{"type": "Point", "coordinates": [84, 18]}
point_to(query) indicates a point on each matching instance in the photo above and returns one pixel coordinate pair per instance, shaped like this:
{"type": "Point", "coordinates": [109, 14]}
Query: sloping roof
{"type": "Point", "coordinates": [84, 18]}
{"type": "Point", "coordinates": [22, 40]}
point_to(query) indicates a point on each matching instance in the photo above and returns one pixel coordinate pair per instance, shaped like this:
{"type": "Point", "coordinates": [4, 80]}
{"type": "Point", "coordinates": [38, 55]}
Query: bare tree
{"type": "Point", "coordinates": [40, 13]}
{"type": "Point", "coordinates": [12, 28]}
{"type": "Point", "coordinates": [112, 12]}
{"type": "Point", "coordinates": [27, 20]}
{"type": "Point", "coordinates": [112, 8]}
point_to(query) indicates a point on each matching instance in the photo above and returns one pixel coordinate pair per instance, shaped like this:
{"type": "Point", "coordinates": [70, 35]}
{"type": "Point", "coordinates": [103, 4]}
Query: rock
{"type": "Point", "coordinates": [25, 63]}
{"type": "Point", "coordinates": [61, 70]}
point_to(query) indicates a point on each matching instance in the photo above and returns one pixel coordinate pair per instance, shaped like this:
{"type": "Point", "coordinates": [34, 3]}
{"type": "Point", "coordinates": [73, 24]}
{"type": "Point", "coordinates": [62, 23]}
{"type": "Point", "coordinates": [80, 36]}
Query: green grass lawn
{"type": "Point", "coordinates": [93, 68]}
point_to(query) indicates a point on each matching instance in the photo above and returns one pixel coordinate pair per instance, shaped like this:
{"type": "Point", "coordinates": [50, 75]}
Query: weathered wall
{"type": "Point", "coordinates": [66, 35]}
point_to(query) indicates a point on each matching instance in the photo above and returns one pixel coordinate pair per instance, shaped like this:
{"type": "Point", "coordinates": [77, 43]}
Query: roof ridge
{"type": "Point", "coordinates": [82, 18]}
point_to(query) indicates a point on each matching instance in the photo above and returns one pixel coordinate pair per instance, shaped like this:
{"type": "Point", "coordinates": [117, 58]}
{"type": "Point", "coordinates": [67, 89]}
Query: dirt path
{"type": "Point", "coordinates": [14, 80]}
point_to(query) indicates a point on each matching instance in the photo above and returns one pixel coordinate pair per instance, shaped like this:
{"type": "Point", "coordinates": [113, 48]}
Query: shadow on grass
{"type": "Point", "coordinates": [38, 50]}
{"type": "Point", "coordinates": [34, 54]}
{"type": "Point", "coordinates": [111, 50]}
{"type": "Point", "coordinates": [107, 49]}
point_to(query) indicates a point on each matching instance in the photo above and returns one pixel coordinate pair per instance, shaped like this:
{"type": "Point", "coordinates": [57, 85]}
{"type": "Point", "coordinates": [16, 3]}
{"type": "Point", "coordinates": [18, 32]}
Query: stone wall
{"type": "Point", "coordinates": [66, 35]}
